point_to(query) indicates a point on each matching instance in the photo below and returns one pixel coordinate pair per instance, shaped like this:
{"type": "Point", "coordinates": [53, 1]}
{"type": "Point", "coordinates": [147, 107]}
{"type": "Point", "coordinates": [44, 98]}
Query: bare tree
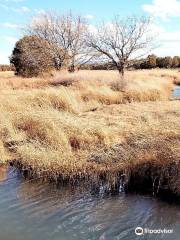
{"type": "Point", "coordinates": [66, 35]}
{"type": "Point", "coordinates": [122, 41]}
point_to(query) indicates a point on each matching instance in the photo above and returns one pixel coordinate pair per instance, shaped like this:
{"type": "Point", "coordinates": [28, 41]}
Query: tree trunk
{"type": "Point", "coordinates": [71, 68]}
{"type": "Point", "coordinates": [72, 65]}
{"type": "Point", "coordinates": [121, 70]}
{"type": "Point", "coordinates": [57, 64]}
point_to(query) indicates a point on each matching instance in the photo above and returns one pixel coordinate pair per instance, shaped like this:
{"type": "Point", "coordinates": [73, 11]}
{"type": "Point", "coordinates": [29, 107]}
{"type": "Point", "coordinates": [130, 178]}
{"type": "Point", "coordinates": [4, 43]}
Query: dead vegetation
{"type": "Point", "coordinates": [90, 130]}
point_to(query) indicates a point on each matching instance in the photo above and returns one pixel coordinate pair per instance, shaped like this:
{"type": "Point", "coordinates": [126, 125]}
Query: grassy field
{"type": "Point", "coordinates": [76, 126]}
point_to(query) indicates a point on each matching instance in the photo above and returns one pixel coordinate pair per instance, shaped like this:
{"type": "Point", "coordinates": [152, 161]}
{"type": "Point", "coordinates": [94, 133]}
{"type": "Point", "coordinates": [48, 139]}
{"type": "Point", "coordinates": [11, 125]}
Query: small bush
{"type": "Point", "coordinates": [32, 57]}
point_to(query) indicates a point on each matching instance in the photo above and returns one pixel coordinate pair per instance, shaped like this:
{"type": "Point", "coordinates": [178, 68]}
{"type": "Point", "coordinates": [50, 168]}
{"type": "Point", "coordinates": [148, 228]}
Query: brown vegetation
{"type": "Point", "coordinates": [69, 132]}
{"type": "Point", "coordinates": [66, 36]}
{"type": "Point", "coordinates": [177, 80]}
{"type": "Point", "coordinates": [6, 68]}
{"type": "Point", "coordinates": [32, 57]}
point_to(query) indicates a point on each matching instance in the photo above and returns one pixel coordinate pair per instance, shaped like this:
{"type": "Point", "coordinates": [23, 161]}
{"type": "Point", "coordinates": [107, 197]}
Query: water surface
{"type": "Point", "coordinates": [38, 211]}
{"type": "Point", "coordinates": [176, 92]}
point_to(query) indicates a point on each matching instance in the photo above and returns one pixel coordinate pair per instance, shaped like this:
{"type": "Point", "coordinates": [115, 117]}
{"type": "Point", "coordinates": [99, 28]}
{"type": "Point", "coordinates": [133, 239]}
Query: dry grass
{"type": "Point", "coordinates": [177, 80]}
{"type": "Point", "coordinates": [86, 90]}
{"type": "Point", "coordinates": [72, 132]}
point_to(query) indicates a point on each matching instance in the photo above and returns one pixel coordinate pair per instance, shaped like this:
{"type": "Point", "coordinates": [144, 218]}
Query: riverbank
{"type": "Point", "coordinates": [93, 132]}
{"type": "Point", "coordinates": [132, 145]}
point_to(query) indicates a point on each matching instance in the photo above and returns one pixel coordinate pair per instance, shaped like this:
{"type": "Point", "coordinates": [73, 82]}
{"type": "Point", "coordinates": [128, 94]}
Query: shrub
{"type": "Point", "coordinates": [176, 62]}
{"type": "Point", "coordinates": [151, 61]}
{"type": "Point", "coordinates": [164, 62]}
{"type": "Point", "coordinates": [32, 57]}
{"type": "Point", "coordinates": [5, 67]}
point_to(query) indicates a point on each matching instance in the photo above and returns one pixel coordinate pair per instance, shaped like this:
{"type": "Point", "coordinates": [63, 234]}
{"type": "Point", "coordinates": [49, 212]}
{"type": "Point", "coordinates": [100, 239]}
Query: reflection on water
{"type": "Point", "coordinates": [176, 92]}
{"type": "Point", "coordinates": [31, 211]}
{"type": "Point", "coordinates": [3, 173]}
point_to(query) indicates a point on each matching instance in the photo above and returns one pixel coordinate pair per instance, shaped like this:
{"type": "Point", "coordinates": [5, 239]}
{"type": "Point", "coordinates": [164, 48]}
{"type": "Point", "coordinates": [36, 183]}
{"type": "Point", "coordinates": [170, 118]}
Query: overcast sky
{"type": "Point", "coordinates": [165, 13]}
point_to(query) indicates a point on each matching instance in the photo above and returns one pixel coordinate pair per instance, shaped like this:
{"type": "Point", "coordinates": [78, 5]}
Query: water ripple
{"type": "Point", "coordinates": [32, 210]}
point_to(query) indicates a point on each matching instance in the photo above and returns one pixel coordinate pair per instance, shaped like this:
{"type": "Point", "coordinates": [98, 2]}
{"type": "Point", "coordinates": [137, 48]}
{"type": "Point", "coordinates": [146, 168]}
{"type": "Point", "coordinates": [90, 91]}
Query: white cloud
{"type": "Point", "coordinates": [6, 47]}
{"type": "Point", "coordinates": [25, 9]}
{"type": "Point", "coordinates": [10, 25]}
{"type": "Point", "coordinates": [163, 9]}
{"type": "Point", "coordinates": [168, 42]}
{"type": "Point", "coordinates": [162, 35]}
{"type": "Point", "coordinates": [92, 28]}
{"type": "Point", "coordinates": [11, 40]}
{"type": "Point", "coordinates": [171, 37]}
{"type": "Point", "coordinates": [168, 49]}
{"type": "Point", "coordinates": [21, 9]}
{"type": "Point", "coordinates": [40, 11]}
{"type": "Point", "coordinates": [89, 16]}
{"type": "Point", "coordinates": [4, 58]}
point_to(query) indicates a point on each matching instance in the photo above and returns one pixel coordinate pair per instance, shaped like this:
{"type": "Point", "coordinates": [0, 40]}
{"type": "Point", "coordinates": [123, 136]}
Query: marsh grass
{"type": "Point", "coordinates": [89, 128]}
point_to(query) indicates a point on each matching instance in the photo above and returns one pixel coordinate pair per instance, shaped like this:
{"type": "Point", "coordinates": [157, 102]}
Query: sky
{"type": "Point", "coordinates": [15, 14]}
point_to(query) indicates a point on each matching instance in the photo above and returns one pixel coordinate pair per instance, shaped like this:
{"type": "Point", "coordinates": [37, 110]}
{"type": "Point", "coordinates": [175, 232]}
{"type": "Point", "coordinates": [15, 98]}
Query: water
{"type": "Point", "coordinates": [31, 211]}
{"type": "Point", "coordinates": [176, 92]}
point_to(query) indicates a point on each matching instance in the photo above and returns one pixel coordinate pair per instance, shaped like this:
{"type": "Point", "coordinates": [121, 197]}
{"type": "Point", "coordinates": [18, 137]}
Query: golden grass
{"type": "Point", "coordinates": [137, 80]}
{"type": "Point", "coordinates": [86, 129]}
{"type": "Point", "coordinates": [177, 80]}
{"type": "Point", "coordinates": [111, 139]}
{"type": "Point", "coordinates": [87, 90]}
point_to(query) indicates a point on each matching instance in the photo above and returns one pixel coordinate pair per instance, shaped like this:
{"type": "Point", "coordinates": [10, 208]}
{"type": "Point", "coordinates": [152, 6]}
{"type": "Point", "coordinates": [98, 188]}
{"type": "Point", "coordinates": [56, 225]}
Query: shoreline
{"type": "Point", "coordinates": [157, 177]}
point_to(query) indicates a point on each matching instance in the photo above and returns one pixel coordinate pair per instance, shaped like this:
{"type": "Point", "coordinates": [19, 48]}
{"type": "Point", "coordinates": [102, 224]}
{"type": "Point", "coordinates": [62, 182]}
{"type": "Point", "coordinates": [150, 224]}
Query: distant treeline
{"type": "Point", "coordinates": [152, 61]}
{"type": "Point", "coordinates": [6, 67]}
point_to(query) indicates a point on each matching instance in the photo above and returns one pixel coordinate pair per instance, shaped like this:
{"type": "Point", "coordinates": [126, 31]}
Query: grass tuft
{"type": "Point", "coordinates": [90, 128]}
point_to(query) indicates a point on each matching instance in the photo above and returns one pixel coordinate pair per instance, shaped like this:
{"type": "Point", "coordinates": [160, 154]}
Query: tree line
{"type": "Point", "coordinates": [6, 67]}
{"type": "Point", "coordinates": [150, 62]}
{"type": "Point", "coordinates": [153, 61]}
